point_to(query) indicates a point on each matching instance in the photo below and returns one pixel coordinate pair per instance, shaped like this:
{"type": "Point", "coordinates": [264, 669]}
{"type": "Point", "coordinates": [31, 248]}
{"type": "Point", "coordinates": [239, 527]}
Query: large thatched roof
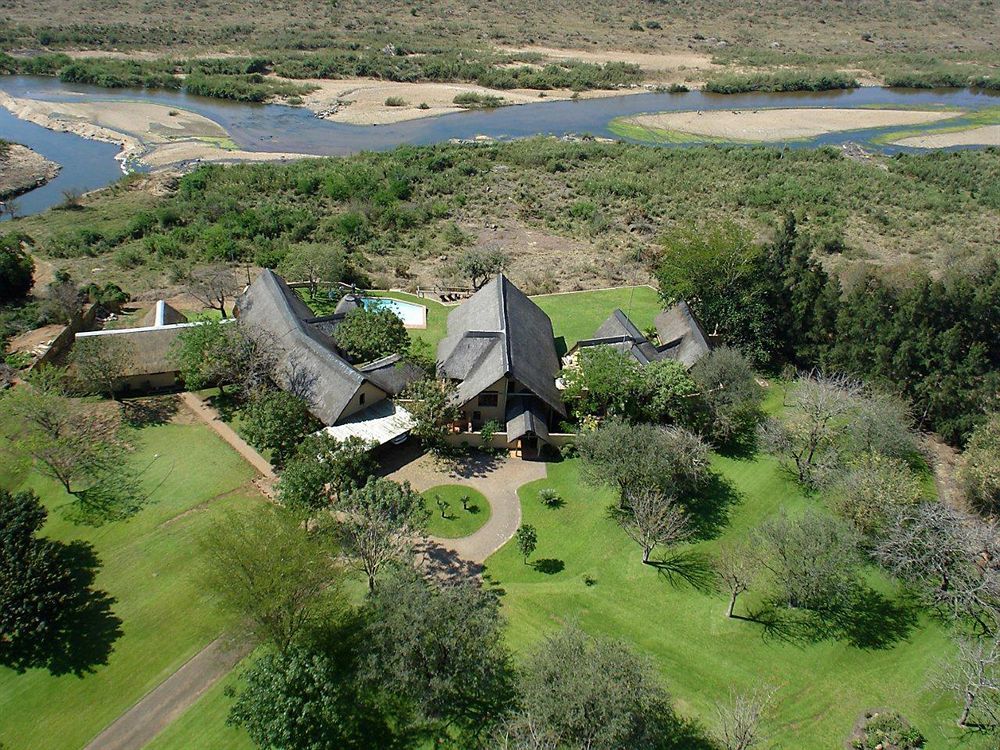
{"type": "Point", "coordinates": [496, 333]}
{"type": "Point", "coordinates": [308, 361]}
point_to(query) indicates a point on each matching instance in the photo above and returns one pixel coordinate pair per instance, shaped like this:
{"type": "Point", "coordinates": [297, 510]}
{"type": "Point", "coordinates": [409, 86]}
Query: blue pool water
{"type": "Point", "coordinates": [413, 316]}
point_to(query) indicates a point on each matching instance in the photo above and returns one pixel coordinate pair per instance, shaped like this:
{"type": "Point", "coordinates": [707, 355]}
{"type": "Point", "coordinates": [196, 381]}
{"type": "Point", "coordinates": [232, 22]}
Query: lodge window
{"type": "Point", "coordinates": [489, 398]}
{"type": "Point", "coordinates": [361, 400]}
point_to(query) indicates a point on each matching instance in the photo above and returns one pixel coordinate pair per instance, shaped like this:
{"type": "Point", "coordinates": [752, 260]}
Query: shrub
{"type": "Point", "coordinates": [887, 731]}
{"type": "Point", "coordinates": [549, 498]}
{"type": "Point", "coordinates": [472, 100]}
{"type": "Point", "coordinates": [786, 80]}
{"type": "Point", "coordinates": [396, 101]}
{"type": "Point", "coordinates": [16, 268]}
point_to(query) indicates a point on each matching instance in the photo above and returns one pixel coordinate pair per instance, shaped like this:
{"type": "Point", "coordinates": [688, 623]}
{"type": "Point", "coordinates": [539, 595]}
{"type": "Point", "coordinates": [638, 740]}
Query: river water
{"type": "Point", "coordinates": [269, 127]}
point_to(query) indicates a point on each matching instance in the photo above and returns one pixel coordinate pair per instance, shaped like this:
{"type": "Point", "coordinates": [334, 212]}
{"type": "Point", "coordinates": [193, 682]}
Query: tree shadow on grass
{"type": "Point", "coordinates": [82, 637]}
{"type": "Point", "coordinates": [548, 565]}
{"type": "Point", "coordinates": [149, 412]}
{"type": "Point", "coordinates": [686, 566]}
{"type": "Point", "coordinates": [866, 619]}
{"type": "Point", "coordinates": [709, 507]}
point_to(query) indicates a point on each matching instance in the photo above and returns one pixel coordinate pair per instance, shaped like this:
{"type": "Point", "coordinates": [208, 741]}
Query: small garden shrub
{"type": "Point", "coordinates": [887, 731]}
{"type": "Point", "coordinates": [396, 101]}
{"type": "Point", "coordinates": [549, 498]}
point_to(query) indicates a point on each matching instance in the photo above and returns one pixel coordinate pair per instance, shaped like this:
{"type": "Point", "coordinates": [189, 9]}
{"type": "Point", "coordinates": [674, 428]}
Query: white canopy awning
{"type": "Point", "coordinates": [379, 423]}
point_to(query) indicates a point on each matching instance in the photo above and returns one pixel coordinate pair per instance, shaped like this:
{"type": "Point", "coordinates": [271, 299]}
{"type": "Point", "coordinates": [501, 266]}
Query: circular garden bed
{"type": "Point", "coordinates": [455, 510]}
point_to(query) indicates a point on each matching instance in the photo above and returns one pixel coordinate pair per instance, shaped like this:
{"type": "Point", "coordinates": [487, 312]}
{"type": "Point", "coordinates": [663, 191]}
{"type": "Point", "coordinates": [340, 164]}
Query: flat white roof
{"type": "Point", "coordinates": [379, 423]}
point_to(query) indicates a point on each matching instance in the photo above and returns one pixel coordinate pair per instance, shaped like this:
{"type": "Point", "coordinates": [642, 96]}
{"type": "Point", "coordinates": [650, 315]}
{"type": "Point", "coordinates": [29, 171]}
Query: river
{"type": "Point", "coordinates": [87, 165]}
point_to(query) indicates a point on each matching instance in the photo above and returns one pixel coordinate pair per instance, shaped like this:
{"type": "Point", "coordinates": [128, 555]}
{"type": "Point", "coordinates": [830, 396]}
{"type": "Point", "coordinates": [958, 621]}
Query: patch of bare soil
{"type": "Point", "coordinates": [656, 64]}
{"type": "Point", "coordinates": [540, 261]}
{"type": "Point", "coordinates": [22, 169]}
{"type": "Point", "coordinates": [36, 340]}
{"type": "Point", "coordinates": [945, 462]}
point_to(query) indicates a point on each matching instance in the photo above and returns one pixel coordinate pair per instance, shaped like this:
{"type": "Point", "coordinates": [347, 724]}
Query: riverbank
{"type": "Point", "coordinates": [153, 135]}
{"type": "Point", "coordinates": [769, 125]}
{"type": "Point", "coordinates": [21, 170]}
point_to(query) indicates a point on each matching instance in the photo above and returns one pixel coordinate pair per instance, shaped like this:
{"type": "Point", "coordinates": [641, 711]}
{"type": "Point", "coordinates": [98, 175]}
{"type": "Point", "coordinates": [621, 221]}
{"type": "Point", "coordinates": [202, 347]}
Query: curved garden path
{"type": "Point", "coordinates": [498, 479]}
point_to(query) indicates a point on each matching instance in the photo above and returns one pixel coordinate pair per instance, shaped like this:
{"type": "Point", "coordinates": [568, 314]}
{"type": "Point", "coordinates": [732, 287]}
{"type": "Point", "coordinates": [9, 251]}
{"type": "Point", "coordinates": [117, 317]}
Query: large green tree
{"type": "Point", "coordinates": [322, 469]}
{"type": "Point", "coordinates": [35, 583]}
{"type": "Point", "coordinates": [437, 657]}
{"type": "Point", "coordinates": [607, 382]}
{"type": "Point", "coordinates": [722, 274]}
{"type": "Point", "coordinates": [50, 616]}
{"type": "Point", "coordinates": [730, 394]}
{"type": "Point", "coordinates": [580, 692]}
{"type": "Point", "coordinates": [379, 523]}
{"type": "Point", "coordinates": [313, 264]}
{"type": "Point", "coordinates": [812, 560]}
{"type": "Point", "coordinates": [636, 457]}
{"type": "Point", "coordinates": [277, 421]}
{"type": "Point", "coordinates": [276, 576]}
{"type": "Point", "coordinates": [306, 698]}
{"type": "Point", "coordinates": [433, 404]}
{"type": "Point", "coordinates": [369, 333]}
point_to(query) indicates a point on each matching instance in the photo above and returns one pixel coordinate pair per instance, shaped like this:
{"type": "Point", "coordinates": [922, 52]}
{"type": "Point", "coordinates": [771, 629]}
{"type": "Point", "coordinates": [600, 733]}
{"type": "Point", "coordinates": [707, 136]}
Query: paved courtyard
{"type": "Point", "coordinates": [497, 478]}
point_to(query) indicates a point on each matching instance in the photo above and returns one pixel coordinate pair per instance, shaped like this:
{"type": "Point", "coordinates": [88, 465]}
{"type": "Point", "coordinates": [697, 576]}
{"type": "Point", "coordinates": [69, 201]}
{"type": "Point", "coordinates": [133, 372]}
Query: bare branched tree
{"type": "Point", "coordinates": [819, 409]}
{"type": "Point", "coordinates": [215, 285]}
{"type": "Point", "coordinates": [652, 518]}
{"type": "Point", "coordinates": [950, 557]}
{"type": "Point", "coordinates": [101, 362]}
{"type": "Point", "coordinates": [737, 570]}
{"type": "Point", "coordinates": [740, 718]}
{"type": "Point", "coordinates": [974, 678]}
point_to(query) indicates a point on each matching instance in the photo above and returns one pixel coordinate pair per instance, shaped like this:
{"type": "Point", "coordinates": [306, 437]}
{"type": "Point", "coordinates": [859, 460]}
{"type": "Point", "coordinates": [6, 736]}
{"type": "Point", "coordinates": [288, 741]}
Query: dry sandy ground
{"type": "Point", "coordinates": [22, 169]}
{"type": "Point", "coordinates": [988, 135]}
{"type": "Point", "coordinates": [783, 124]}
{"type": "Point", "coordinates": [151, 133]}
{"type": "Point", "coordinates": [361, 101]}
{"type": "Point", "coordinates": [649, 62]}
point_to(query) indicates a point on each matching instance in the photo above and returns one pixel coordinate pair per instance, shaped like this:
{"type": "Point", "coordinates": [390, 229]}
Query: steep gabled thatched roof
{"type": "Point", "coordinates": [308, 362]}
{"type": "Point", "coordinates": [496, 333]}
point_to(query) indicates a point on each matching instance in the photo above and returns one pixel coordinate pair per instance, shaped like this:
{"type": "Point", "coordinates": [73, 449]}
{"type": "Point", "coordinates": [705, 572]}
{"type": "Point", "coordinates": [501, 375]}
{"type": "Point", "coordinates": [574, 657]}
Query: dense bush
{"type": "Point", "coordinates": [16, 268]}
{"type": "Point", "coordinates": [786, 80]}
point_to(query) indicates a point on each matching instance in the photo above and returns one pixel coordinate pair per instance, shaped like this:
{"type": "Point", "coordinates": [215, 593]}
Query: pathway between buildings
{"type": "Point", "coordinates": [135, 728]}
{"type": "Point", "coordinates": [497, 479]}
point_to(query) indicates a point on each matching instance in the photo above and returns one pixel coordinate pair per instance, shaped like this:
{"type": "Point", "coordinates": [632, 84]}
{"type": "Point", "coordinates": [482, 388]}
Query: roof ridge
{"type": "Point", "coordinates": [504, 321]}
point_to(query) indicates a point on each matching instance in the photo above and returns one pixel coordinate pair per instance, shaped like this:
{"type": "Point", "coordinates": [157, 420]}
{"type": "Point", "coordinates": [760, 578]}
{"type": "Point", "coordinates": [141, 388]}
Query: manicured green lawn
{"type": "Point", "coordinates": [149, 564]}
{"type": "Point", "coordinates": [585, 570]}
{"type": "Point", "coordinates": [457, 521]}
{"type": "Point", "coordinates": [576, 315]}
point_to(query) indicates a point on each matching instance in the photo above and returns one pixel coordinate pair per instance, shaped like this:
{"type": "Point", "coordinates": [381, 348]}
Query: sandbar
{"type": "Point", "coordinates": [783, 124]}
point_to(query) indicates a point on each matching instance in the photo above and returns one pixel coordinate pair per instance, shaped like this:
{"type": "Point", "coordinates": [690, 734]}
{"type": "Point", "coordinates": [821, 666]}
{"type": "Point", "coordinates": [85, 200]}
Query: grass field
{"type": "Point", "coordinates": [148, 566]}
{"type": "Point", "coordinates": [595, 577]}
{"type": "Point", "coordinates": [576, 315]}
{"type": "Point", "coordinates": [456, 521]}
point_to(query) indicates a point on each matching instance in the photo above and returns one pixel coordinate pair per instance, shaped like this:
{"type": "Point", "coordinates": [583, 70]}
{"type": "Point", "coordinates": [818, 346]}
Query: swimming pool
{"type": "Point", "coordinates": [413, 316]}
